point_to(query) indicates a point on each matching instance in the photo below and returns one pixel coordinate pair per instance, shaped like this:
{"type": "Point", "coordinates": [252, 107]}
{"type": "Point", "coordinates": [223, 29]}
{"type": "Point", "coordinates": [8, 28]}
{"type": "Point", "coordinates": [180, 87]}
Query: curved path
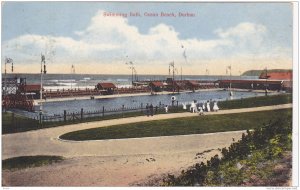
{"type": "Point", "coordinates": [115, 162]}
{"type": "Point", "coordinates": [45, 141]}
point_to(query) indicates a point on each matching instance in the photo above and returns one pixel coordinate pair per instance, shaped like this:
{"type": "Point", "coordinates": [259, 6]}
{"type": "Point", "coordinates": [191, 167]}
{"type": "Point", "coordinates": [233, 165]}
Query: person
{"type": "Point", "coordinates": [147, 110]}
{"type": "Point", "coordinates": [184, 106]}
{"type": "Point", "coordinates": [203, 106]}
{"type": "Point", "coordinates": [192, 107]}
{"type": "Point", "coordinates": [200, 111]}
{"type": "Point", "coordinates": [166, 108]}
{"type": "Point", "coordinates": [215, 108]}
{"type": "Point", "coordinates": [151, 109]}
{"type": "Point", "coordinates": [208, 106]}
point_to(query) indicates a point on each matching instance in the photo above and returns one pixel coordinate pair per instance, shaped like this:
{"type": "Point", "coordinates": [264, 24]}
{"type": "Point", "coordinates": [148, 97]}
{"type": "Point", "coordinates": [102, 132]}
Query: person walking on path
{"type": "Point", "coordinates": [147, 110]}
{"type": "Point", "coordinates": [151, 109]}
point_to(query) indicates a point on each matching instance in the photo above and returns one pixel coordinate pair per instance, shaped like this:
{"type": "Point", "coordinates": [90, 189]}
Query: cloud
{"type": "Point", "coordinates": [113, 40]}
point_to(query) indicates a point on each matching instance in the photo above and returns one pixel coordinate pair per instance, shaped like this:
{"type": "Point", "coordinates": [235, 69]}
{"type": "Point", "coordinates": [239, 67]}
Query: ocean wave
{"type": "Point", "coordinates": [122, 80]}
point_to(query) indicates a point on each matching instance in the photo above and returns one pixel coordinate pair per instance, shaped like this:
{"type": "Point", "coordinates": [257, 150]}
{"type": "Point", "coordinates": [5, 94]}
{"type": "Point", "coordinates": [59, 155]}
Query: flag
{"type": "Point", "coordinates": [184, 54]}
{"type": "Point", "coordinates": [43, 58]}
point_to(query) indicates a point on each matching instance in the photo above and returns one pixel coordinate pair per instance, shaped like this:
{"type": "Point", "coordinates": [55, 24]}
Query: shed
{"type": "Point", "coordinates": [156, 86]}
{"type": "Point", "coordinates": [106, 86]}
{"type": "Point", "coordinates": [192, 85]}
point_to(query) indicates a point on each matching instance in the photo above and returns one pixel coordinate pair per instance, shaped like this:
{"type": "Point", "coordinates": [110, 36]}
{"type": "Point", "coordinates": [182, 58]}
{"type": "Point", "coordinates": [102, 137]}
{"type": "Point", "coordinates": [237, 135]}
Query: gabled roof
{"type": "Point", "coordinates": [193, 83]}
{"type": "Point", "coordinates": [156, 83]}
{"type": "Point", "coordinates": [105, 85]}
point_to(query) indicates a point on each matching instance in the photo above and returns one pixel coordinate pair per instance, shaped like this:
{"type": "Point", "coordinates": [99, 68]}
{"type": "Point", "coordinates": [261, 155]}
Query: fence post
{"type": "Point", "coordinates": [103, 111]}
{"type": "Point", "coordinates": [13, 120]}
{"type": "Point", "coordinates": [159, 104]}
{"type": "Point", "coordinates": [156, 109]}
{"type": "Point", "coordinates": [65, 115]}
{"type": "Point", "coordinates": [122, 110]}
{"type": "Point", "coordinates": [41, 119]}
{"type": "Point", "coordinates": [73, 116]}
{"type": "Point", "coordinates": [141, 107]}
{"type": "Point", "coordinates": [81, 114]}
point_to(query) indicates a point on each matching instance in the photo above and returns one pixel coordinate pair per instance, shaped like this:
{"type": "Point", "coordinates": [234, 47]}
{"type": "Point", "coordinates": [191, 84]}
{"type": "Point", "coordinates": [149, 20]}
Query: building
{"type": "Point", "coordinates": [192, 85]}
{"type": "Point", "coordinates": [257, 84]}
{"type": "Point", "coordinates": [277, 75]}
{"type": "Point", "coordinates": [156, 86]}
{"type": "Point", "coordinates": [107, 87]}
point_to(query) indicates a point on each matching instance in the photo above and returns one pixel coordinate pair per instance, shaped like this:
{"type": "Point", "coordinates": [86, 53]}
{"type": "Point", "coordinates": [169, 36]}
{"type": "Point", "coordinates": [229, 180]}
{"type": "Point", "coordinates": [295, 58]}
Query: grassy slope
{"type": "Point", "coordinates": [180, 126]}
{"type": "Point", "coordinates": [256, 101]}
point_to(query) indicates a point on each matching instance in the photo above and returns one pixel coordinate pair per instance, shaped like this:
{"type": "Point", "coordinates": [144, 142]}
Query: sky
{"type": "Point", "coordinates": [211, 36]}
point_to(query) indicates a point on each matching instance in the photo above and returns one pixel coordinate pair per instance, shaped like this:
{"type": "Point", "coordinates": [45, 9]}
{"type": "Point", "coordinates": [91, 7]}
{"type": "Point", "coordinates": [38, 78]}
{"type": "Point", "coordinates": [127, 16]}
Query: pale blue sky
{"type": "Point", "coordinates": [64, 19]}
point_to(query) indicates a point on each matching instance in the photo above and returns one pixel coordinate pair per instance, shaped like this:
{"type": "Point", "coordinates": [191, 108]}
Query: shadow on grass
{"type": "Point", "coordinates": [29, 161]}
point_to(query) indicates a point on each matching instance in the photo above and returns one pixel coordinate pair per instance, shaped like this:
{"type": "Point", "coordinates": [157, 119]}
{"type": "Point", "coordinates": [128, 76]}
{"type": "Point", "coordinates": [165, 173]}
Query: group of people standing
{"type": "Point", "coordinates": [149, 110]}
{"type": "Point", "coordinates": [201, 108]}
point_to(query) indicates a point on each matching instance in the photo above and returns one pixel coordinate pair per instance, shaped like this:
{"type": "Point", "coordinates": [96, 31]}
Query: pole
{"type": "Point", "coordinates": [181, 72]}
{"type": "Point", "coordinates": [266, 90]}
{"type": "Point", "coordinates": [230, 80]}
{"type": "Point", "coordinates": [5, 89]}
{"type": "Point", "coordinates": [41, 90]}
{"type": "Point", "coordinates": [173, 77]}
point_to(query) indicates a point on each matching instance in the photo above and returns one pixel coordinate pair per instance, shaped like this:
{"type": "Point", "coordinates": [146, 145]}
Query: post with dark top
{"type": "Point", "coordinates": [13, 119]}
{"type": "Point", "coordinates": [102, 111]}
{"type": "Point", "coordinates": [141, 107]}
{"type": "Point", "coordinates": [40, 118]}
{"type": "Point", "coordinates": [73, 116]}
{"type": "Point", "coordinates": [81, 114]}
{"type": "Point", "coordinates": [65, 115]}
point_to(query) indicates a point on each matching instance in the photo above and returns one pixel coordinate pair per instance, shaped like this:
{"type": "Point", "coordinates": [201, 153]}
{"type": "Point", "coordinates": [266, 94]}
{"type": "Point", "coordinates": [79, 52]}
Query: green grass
{"type": "Point", "coordinates": [12, 123]}
{"type": "Point", "coordinates": [179, 126]}
{"type": "Point", "coordinates": [256, 101]}
{"type": "Point", "coordinates": [29, 161]}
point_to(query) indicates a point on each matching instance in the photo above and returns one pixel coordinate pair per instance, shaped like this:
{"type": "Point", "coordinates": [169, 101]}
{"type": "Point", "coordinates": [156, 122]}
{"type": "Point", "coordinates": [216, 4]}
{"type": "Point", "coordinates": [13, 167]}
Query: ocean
{"type": "Point", "coordinates": [69, 81]}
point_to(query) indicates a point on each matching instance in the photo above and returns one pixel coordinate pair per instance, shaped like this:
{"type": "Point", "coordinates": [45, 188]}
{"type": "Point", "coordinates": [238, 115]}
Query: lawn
{"type": "Point", "coordinates": [29, 161]}
{"type": "Point", "coordinates": [256, 101]}
{"type": "Point", "coordinates": [180, 126]}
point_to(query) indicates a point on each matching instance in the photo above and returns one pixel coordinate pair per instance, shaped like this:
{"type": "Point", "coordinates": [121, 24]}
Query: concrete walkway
{"type": "Point", "coordinates": [45, 141]}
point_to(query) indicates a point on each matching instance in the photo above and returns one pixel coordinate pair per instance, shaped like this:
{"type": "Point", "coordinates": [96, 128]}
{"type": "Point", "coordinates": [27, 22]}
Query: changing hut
{"type": "Point", "coordinates": [107, 87]}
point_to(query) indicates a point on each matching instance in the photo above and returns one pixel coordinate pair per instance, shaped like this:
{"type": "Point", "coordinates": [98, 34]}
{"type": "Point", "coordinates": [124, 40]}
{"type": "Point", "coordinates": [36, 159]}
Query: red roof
{"type": "Point", "coordinates": [157, 83]}
{"type": "Point", "coordinates": [105, 85]}
{"type": "Point", "coordinates": [193, 83]}
{"type": "Point", "coordinates": [32, 88]}
{"type": "Point", "coordinates": [251, 81]}
{"type": "Point", "coordinates": [278, 75]}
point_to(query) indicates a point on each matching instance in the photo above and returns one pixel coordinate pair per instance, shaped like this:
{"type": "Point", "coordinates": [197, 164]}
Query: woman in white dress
{"type": "Point", "coordinates": [208, 106]}
{"type": "Point", "coordinates": [215, 108]}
